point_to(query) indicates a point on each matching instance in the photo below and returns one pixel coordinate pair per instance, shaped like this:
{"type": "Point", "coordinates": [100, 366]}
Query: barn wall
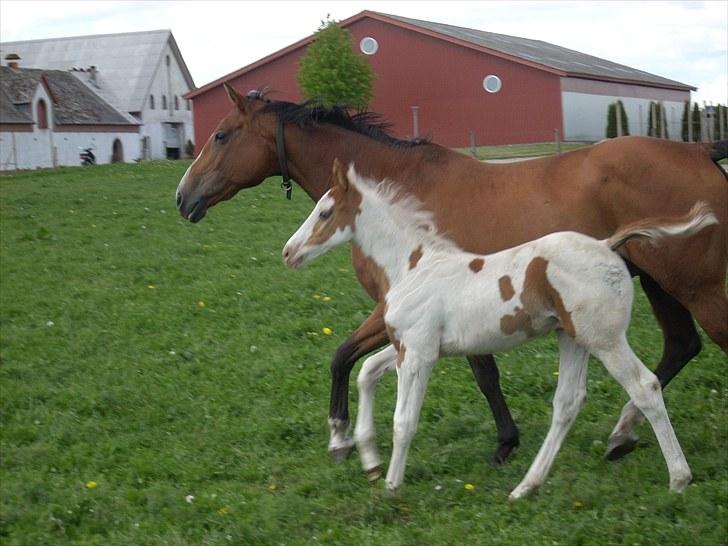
{"type": "Point", "coordinates": [585, 104]}
{"type": "Point", "coordinates": [446, 82]}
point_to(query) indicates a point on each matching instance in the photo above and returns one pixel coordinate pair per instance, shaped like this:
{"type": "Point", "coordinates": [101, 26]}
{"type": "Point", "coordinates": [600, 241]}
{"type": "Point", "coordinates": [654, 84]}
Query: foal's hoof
{"type": "Point", "coordinates": [341, 453]}
{"type": "Point", "coordinates": [503, 451]}
{"type": "Point", "coordinates": [620, 445]}
{"type": "Point", "coordinates": [373, 474]}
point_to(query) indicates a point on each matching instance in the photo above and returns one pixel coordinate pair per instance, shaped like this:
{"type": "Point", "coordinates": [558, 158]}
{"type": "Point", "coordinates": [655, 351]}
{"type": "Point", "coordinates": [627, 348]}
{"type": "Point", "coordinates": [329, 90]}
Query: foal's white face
{"type": "Point", "coordinates": [330, 225]}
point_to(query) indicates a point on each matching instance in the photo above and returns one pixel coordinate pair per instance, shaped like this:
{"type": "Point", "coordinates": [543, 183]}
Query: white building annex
{"type": "Point", "coordinates": [140, 73]}
{"type": "Point", "coordinates": [48, 116]}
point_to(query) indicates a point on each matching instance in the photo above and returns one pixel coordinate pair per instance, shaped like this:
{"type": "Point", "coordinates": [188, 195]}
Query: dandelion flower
{"type": "Point", "coordinates": [222, 511]}
{"type": "Point", "coordinates": [469, 487]}
{"type": "Point", "coordinates": [578, 504]}
{"type": "Point", "coordinates": [555, 373]}
{"type": "Point", "coordinates": [326, 298]}
{"type": "Point", "coordinates": [91, 484]}
{"type": "Point", "coordinates": [272, 487]}
{"type": "Point", "coordinates": [327, 331]}
{"type": "Point", "coordinates": [316, 297]}
{"type": "Point", "coordinates": [200, 303]}
{"type": "Point", "coordinates": [151, 286]}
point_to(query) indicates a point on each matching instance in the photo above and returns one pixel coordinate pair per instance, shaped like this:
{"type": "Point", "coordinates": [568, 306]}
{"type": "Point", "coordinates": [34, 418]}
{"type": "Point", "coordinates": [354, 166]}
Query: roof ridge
{"type": "Point", "coordinates": [106, 35]}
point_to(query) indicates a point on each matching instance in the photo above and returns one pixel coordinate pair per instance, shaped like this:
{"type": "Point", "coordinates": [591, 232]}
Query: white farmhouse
{"type": "Point", "coordinates": [48, 116]}
{"type": "Point", "coordinates": [140, 73]}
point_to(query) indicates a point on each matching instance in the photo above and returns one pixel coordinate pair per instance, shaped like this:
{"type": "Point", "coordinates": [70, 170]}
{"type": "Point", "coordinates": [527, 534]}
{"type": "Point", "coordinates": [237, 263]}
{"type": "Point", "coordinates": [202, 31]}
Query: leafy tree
{"type": "Point", "coordinates": [612, 119]}
{"type": "Point", "coordinates": [697, 136]}
{"type": "Point", "coordinates": [657, 125]}
{"type": "Point", "coordinates": [330, 71]}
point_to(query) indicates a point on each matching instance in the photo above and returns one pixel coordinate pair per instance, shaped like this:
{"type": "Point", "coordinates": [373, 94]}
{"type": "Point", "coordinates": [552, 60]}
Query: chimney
{"type": "Point", "coordinates": [13, 60]}
{"type": "Point", "coordinates": [92, 75]}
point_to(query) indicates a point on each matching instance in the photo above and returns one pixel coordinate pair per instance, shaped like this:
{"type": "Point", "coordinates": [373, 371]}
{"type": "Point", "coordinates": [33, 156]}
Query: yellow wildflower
{"type": "Point", "coordinates": [469, 487]}
{"type": "Point", "coordinates": [327, 331]}
{"type": "Point", "coordinates": [91, 484]}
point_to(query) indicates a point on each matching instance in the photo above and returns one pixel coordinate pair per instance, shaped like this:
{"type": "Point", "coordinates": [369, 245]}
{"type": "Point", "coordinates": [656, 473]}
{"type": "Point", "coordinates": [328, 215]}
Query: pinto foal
{"type": "Point", "coordinates": [441, 301]}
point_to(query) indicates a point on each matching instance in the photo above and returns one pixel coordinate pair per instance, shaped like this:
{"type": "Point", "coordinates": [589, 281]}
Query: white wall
{"type": "Point", "coordinates": [36, 149]}
{"type": "Point", "coordinates": [168, 81]}
{"type": "Point", "coordinates": [585, 116]}
{"type": "Point", "coordinates": [584, 104]}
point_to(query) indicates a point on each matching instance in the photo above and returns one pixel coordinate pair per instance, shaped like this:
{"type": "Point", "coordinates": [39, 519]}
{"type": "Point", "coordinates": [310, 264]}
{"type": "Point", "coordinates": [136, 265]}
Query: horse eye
{"type": "Point", "coordinates": [324, 214]}
{"type": "Point", "coordinates": [220, 136]}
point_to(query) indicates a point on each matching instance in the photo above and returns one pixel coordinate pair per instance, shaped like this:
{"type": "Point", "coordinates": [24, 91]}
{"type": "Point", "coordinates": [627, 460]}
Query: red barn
{"type": "Point", "coordinates": [461, 86]}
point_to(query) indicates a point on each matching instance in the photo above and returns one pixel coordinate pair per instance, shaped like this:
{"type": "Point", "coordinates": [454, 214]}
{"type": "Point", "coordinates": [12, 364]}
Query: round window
{"type": "Point", "coordinates": [492, 83]}
{"type": "Point", "coordinates": [368, 45]}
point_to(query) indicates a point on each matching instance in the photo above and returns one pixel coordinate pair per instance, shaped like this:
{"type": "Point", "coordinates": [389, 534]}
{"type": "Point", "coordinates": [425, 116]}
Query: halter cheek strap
{"type": "Point", "coordinates": [283, 160]}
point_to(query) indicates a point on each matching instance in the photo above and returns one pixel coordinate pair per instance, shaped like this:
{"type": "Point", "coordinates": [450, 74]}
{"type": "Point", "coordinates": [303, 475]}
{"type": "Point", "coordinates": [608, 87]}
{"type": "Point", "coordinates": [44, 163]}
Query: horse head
{"type": "Point", "coordinates": [240, 153]}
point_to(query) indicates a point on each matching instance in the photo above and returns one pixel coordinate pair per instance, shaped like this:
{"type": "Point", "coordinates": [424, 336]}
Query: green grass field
{"type": "Point", "coordinates": [167, 384]}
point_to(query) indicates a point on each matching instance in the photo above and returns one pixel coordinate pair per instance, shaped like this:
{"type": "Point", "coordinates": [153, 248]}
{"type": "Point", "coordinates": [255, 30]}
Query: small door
{"type": "Point", "coordinates": [117, 152]}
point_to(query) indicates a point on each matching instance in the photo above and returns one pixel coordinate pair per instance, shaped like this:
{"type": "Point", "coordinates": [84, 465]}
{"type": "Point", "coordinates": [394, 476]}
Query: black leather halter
{"type": "Point", "coordinates": [283, 160]}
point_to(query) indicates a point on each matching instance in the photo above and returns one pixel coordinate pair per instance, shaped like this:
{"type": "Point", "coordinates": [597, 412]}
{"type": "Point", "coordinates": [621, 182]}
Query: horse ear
{"type": "Point", "coordinates": [236, 98]}
{"type": "Point", "coordinates": [339, 173]}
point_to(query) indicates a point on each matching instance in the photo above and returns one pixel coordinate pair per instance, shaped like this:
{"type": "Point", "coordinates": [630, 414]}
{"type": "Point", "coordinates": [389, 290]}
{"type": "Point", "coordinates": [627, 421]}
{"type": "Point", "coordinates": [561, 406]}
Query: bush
{"type": "Point", "coordinates": [612, 120]}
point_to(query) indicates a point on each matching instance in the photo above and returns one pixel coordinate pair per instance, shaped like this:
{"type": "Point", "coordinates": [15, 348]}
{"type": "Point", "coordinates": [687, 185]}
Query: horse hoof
{"type": "Point", "coordinates": [503, 451]}
{"type": "Point", "coordinates": [340, 454]}
{"type": "Point", "coordinates": [620, 445]}
{"type": "Point", "coordinates": [373, 474]}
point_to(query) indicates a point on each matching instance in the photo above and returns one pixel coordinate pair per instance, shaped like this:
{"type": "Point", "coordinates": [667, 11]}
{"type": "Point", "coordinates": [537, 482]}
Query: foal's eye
{"type": "Point", "coordinates": [324, 214]}
{"type": "Point", "coordinates": [220, 136]}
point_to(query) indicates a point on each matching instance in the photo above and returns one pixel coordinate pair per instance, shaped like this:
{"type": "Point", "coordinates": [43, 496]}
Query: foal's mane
{"type": "Point", "coordinates": [406, 211]}
{"type": "Point", "coordinates": [312, 113]}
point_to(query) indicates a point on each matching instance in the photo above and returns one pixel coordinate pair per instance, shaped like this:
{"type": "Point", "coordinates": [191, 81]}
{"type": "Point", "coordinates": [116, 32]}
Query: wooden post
{"type": "Point", "coordinates": [558, 141]}
{"type": "Point", "coordinates": [473, 150]}
{"type": "Point", "coordinates": [415, 121]}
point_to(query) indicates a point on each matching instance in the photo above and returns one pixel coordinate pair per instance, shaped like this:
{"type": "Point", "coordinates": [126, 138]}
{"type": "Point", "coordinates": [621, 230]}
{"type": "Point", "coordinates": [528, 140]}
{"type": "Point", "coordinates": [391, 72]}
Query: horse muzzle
{"type": "Point", "coordinates": [193, 210]}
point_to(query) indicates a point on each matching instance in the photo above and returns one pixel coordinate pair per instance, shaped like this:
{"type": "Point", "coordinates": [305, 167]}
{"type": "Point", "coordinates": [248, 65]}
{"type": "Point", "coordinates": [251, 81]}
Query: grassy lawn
{"type": "Point", "coordinates": [510, 151]}
{"type": "Point", "coordinates": [167, 384]}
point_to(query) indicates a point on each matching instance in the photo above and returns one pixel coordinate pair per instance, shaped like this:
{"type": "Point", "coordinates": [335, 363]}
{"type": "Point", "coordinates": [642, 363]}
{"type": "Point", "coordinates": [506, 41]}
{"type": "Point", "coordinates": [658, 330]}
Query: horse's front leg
{"type": "Point", "coordinates": [364, 434]}
{"type": "Point", "coordinates": [413, 371]}
{"type": "Point", "coordinates": [370, 336]}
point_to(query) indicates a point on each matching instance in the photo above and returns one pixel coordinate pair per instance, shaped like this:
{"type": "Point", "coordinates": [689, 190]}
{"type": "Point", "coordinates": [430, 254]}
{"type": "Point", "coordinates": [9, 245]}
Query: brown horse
{"type": "Point", "coordinates": [485, 208]}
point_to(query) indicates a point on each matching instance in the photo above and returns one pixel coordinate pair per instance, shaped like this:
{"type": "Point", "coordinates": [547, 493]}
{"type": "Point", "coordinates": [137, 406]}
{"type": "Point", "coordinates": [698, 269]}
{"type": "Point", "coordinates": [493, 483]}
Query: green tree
{"type": "Point", "coordinates": [656, 125]}
{"type": "Point", "coordinates": [330, 71]}
{"type": "Point", "coordinates": [612, 119]}
{"type": "Point", "coordinates": [696, 123]}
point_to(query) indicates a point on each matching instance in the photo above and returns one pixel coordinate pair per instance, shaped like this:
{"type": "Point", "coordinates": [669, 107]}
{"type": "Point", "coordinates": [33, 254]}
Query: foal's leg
{"type": "Point", "coordinates": [364, 435]}
{"type": "Point", "coordinates": [412, 376]}
{"type": "Point", "coordinates": [644, 390]}
{"type": "Point", "coordinates": [486, 374]}
{"type": "Point", "coordinates": [681, 343]}
{"type": "Point", "coordinates": [370, 336]}
{"type": "Point", "coordinates": [568, 400]}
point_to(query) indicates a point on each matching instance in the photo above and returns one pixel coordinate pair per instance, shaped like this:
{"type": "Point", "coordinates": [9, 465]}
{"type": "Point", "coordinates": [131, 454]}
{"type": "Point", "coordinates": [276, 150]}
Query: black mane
{"type": "Point", "coordinates": [312, 112]}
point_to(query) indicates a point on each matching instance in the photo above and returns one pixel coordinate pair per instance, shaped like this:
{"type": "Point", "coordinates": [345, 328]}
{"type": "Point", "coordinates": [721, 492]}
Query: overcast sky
{"type": "Point", "coordinates": [685, 41]}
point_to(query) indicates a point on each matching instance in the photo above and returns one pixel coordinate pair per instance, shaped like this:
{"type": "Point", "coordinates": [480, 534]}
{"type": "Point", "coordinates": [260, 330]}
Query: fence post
{"type": "Point", "coordinates": [473, 149]}
{"type": "Point", "coordinates": [557, 138]}
{"type": "Point", "coordinates": [415, 121]}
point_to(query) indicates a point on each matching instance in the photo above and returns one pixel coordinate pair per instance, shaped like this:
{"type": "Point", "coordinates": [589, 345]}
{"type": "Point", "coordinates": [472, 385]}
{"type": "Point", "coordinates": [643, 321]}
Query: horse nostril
{"type": "Point", "coordinates": [179, 199]}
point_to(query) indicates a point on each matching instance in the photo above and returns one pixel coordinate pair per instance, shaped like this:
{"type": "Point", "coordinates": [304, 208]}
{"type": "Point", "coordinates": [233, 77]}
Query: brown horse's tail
{"type": "Point", "coordinates": [699, 217]}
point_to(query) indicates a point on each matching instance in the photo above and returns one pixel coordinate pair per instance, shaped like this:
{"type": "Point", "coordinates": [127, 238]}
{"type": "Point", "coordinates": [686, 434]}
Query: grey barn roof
{"type": "Point", "coordinates": [573, 63]}
{"type": "Point", "coordinates": [73, 102]}
{"type": "Point", "coordinates": [126, 62]}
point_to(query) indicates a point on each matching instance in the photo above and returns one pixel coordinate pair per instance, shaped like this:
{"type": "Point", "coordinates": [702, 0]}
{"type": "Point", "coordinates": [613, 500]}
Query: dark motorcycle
{"type": "Point", "coordinates": [87, 156]}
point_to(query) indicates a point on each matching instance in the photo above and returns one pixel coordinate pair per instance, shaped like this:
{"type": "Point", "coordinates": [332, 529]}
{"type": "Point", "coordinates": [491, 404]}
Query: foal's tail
{"type": "Point", "coordinates": [699, 217]}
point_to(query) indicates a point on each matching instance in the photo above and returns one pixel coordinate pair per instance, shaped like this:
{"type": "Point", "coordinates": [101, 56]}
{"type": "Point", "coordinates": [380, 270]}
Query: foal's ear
{"type": "Point", "coordinates": [236, 98]}
{"type": "Point", "coordinates": [339, 173]}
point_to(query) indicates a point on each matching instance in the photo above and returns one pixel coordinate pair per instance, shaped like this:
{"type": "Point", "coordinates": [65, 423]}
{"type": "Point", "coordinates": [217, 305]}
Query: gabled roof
{"type": "Point", "coordinates": [534, 53]}
{"type": "Point", "coordinates": [73, 102]}
{"type": "Point", "coordinates": [126, 63]}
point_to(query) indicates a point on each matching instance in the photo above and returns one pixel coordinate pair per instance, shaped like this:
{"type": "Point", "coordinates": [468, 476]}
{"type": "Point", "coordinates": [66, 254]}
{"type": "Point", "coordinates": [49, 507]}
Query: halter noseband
{"type": "Point", "coordinates": [283, 160]}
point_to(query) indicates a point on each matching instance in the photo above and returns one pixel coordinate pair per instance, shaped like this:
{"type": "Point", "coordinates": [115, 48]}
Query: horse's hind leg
{"type": "Point", "coordinates": [370, 336]}
{"type": "Point", "coordinates": [710, 309]}
{"type": "Point", "coordinates": [486, 374]}
{"type": "Point", "coordinates": [366, 442]}
{"type": "Point", "coordinates": [568, 400]}
{"type": "Point", "coordinates": [681, 343]}
{"type": "Point", "coordinates": [644, 390]}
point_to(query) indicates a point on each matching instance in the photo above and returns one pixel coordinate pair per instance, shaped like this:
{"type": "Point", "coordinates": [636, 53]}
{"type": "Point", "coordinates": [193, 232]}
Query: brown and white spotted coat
{"type": "Point", "coordinates": [441, 300]}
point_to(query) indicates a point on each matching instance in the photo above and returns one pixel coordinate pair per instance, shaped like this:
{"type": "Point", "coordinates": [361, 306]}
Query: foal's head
{"type": "Point", "coordinates": [331, 223]}
{"type": "Point", "coordinates": [240, 153]}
